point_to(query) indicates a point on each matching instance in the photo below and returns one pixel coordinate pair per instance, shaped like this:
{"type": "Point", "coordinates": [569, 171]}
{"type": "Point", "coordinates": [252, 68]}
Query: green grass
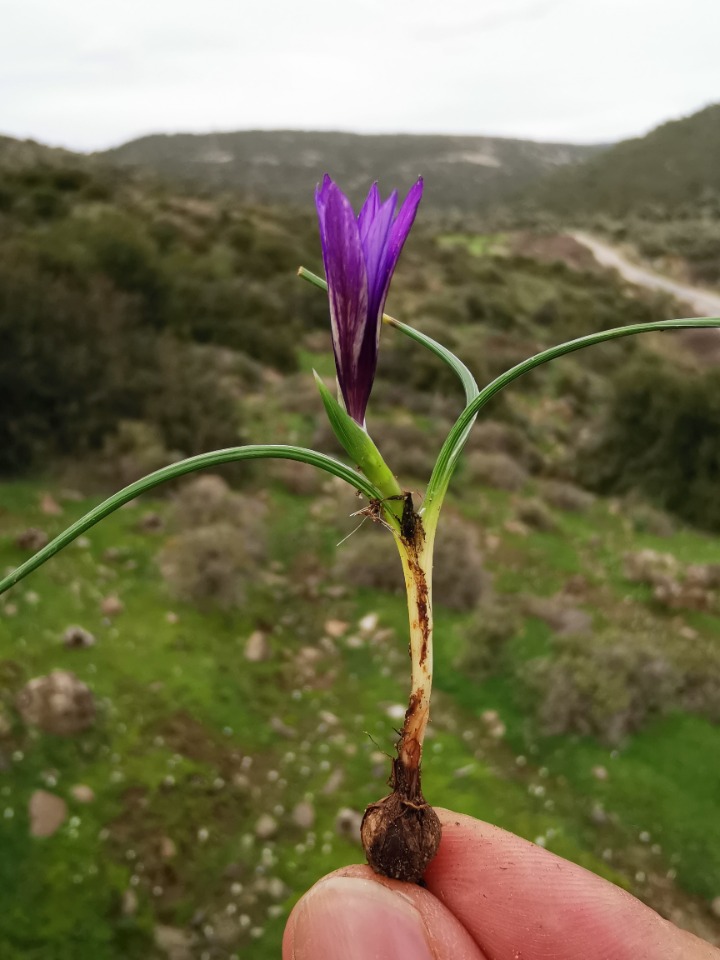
{"type": "Point", "coordinates": [186, 738]}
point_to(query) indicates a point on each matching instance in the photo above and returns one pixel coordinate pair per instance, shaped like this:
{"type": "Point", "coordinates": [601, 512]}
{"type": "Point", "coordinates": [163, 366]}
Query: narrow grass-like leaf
{"type": "Point", "coordinates": [203, 460]}
{"type": "Point", "coordinates": [452, 448]}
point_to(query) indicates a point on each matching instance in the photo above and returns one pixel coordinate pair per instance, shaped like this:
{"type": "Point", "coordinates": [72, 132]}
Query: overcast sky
{"type": "Point", "coordinates": [88, 75]}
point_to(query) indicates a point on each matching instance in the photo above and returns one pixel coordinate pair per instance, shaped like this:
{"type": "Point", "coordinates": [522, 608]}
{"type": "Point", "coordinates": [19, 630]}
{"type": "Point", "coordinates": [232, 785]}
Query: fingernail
{"type": "Point", "coordinates": [356, 919]}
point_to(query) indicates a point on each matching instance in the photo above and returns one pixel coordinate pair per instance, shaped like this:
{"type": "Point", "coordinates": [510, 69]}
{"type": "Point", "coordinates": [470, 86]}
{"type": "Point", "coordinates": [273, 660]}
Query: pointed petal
{"type": "Point", "coordinates": [375, 246]}
{"type": "Point", "coordinates": [369, 210]}
{"type": "Point", "coordinates": [396, 240]}
{"type": "Point", "coordinates": [348, 295]}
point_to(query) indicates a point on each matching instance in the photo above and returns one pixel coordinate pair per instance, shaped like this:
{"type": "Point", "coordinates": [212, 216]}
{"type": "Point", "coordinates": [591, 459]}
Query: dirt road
{"type": "Point", "coordinates": [704, 303]}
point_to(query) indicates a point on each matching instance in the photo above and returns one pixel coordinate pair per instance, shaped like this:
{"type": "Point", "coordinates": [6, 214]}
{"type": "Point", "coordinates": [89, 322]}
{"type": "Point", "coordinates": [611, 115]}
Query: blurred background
{"type": "Point", "coordinates": [198, 698]}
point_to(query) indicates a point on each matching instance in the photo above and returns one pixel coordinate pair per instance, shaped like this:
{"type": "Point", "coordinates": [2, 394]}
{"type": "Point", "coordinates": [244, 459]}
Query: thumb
{"type": "Point", "coordinates": [356, 915]}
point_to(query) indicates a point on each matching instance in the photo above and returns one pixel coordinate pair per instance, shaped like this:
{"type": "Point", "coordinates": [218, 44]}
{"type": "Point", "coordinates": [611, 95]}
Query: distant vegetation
{"type": "Point", "coordinates": [463, 174]}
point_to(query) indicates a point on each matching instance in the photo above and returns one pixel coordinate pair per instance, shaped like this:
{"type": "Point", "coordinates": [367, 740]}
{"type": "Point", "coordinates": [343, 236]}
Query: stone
{"type": "Point", "coordinates": [715, 906]}
{"type": "Point", "coordinates": [57, 703]}
{"type": "Point", "coordinates": [329, 718]}
{"type": "Point", "coordinates": [277, 725]}
{"type": "Point", "coordinates": [257, 647]}
{"type": "Point", "coordinates": [600, 773]}
{"type": "Point", "coordinates": [129, 903]}
{"type": "Point", "coordinates": [82, 793]}
{"type": "Point", "coordinates": [303, 815]}
{"type": "Point", "coordinates": [266, 827]}
{"type": "Point", "coordinates": [336, 628]}
{"type": "Point", "coordinates": [174, 941]}
{"type": "Point", "coordinates": [368, 623]}
{"type": "Point", "coordinates": [168, 849]}
{"type": "Point", "coordinates": [111, 606]}
{"type": "Point", "coordinates": [5, 722]}
{"type": "Point", "coordinates": [347, 824]}
{"type": "Point", "coordinates": [396, 711]}
{"type": "Point", "coordinates": [49, 506]}
{"type": "Point", "coordinates": [78, 637]}
{"type": "Point", "coordinates": [172, 617]}
{"type": "Point", "coordinates": [47, 813]}
{"type": "Point", "coordinates": [333, 783]}
{"type": "Point", "coordinates": [32, 539]}
{"type": "Point", "coordinates": [150, 523]}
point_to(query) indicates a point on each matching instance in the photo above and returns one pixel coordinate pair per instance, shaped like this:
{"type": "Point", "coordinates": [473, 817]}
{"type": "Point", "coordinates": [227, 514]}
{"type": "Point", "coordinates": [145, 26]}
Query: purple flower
{"type": "Point", "coordinates": [360, 254]}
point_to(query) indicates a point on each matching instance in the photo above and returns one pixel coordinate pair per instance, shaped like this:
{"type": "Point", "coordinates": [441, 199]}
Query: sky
{"type": "Point", "coordinates": [88, 75]}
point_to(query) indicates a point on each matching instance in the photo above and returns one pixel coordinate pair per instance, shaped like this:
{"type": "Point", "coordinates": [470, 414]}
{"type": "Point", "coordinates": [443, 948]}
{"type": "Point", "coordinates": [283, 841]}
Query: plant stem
{"type": "Point", "coordinates": [416, 546]}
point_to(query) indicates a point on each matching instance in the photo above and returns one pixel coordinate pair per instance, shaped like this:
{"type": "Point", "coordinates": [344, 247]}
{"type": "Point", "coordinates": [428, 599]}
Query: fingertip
{"type": "Point", "coordinates": [358, 916]}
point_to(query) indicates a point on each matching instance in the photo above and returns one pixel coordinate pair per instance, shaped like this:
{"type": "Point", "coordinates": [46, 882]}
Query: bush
{"type": "Point", "coordinates": [495, 470]}
{"type": "Point", "coordinates": [660, 437]}
{"type": "Point", "coordinates": [611, 687]}
{"type": "Point", "coordinates": [208, 501]}
{"type": "Point", "coordinates": [494, 623]}
{"type": "Point", "coordinates": [210, 565]}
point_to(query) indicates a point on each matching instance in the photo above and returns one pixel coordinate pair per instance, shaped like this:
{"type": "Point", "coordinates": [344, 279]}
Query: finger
{"type": "Point", "coordinates": [353, 914]}
{"type": "Point", "coordinates": [519, 900]}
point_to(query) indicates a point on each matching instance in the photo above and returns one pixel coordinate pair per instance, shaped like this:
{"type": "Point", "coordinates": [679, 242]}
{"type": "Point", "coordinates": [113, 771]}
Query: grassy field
{"type": "Point", "coordinates": [193, 743]}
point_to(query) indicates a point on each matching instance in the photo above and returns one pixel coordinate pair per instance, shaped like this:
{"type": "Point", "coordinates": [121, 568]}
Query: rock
{"type": "Point", "coordinates": [172, 617]}
{"type": "Point", "coordinates": [600, 773]}
{"type": "Point", "coordinates": [149, 523]}
{"type": "Point", "coordinates": [10, 609]}
{"type": "Point", "coordinates": [257, 647]}
{"type": "Point", "coordinates": [129, 903]}
{"type": "Point", "coordinates": [329, 718]}
{"type": "Point", "coordinates": [78, 637]}
{"type": "Point", "coordinates": [564, 620]}
{"type": "Point", "coordinates": [32, 539]}
{"type": "Point", "coordinates": [174, 942]}
{"type": "Point", "coordinates": [57, 703]}
{"type": "Point", "coordinates": [396, 711]}
{"type": "Point", "coordinates": [111, 606]}
{"type": "Point", "coordinates": [347, 824]}
{"type": "Point", "coordinates": [47, 813]}
{"type": "Point", "coordinates": [303, 815]}
{"type": "Point", "coordinates": [368, 623]}
{"type": "Point", "coordinates": [168, 848]}
{"type": "Point", "coordinates": [266, 827]}
{"type": "Point", "coordinates": [82, 793]}
{"type": "Point", "coordinates": [333, 783]}
{"type": "Point", "coordinates": [277, 725]}
{"type": "Point", "coordinates": [715, 906]}
{"type": "Point", "coordinates": [49, 506]}
{"type": "Point", "coordinates": [336, 628]}
{"type": "Point", "coordinates": [490, 717]}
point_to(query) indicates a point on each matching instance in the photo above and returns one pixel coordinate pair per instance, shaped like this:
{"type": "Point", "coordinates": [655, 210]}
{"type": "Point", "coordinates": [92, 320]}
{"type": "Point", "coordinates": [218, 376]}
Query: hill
{"type": "Point", "coordinates": [462, 173]}
{"type": "Point", "coordinates": [669, 172]}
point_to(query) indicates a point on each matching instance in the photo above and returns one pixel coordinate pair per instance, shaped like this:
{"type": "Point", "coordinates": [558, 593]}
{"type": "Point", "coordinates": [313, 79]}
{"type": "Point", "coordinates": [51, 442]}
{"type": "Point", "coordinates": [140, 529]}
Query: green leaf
{"type": "Point", "coordinates": [452, 448]}
{"type": "Point", "coordinates": [200, 462]}
{"type": "Point", "coordinates": [358, 445]}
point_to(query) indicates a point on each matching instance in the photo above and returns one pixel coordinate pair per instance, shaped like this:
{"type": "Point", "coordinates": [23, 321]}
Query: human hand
{"type": "Point", "coordinates": [490, 896]}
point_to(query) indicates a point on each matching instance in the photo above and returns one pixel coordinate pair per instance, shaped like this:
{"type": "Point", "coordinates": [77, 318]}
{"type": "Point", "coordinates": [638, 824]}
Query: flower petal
{"type": "Point", "coordinates": [379, 279]}
{"type": "Point", "coordinates": [348, 295]}
{"type": "Point", "coordinates": [375, 249]}
{"type": "Point", "coordinates": [369, 210]}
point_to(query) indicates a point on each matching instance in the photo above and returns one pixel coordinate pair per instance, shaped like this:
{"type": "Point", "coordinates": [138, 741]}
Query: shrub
{"type": "Point", "coordinates": [208, 501]}
{"type": "Point", "coordinates": [493, 623]}
{"type": "Point", "coordinates": [210, 564]}
{"type": "Point", "coordinates": [611, 687]}
{"type": "Point", "coordinates": [565, 496]}
{"type": "Point", "coordinates": [660, 436]}
{"type": "Point", "coordinates": [495, 470]}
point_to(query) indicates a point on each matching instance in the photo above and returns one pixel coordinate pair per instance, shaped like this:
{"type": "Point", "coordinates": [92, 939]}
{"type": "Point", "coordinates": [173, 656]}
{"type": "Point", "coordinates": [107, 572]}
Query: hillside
{"type": "Point", "coordinates": [462, 173]}
{"type": "Point", "coordinates": [672, 169]}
